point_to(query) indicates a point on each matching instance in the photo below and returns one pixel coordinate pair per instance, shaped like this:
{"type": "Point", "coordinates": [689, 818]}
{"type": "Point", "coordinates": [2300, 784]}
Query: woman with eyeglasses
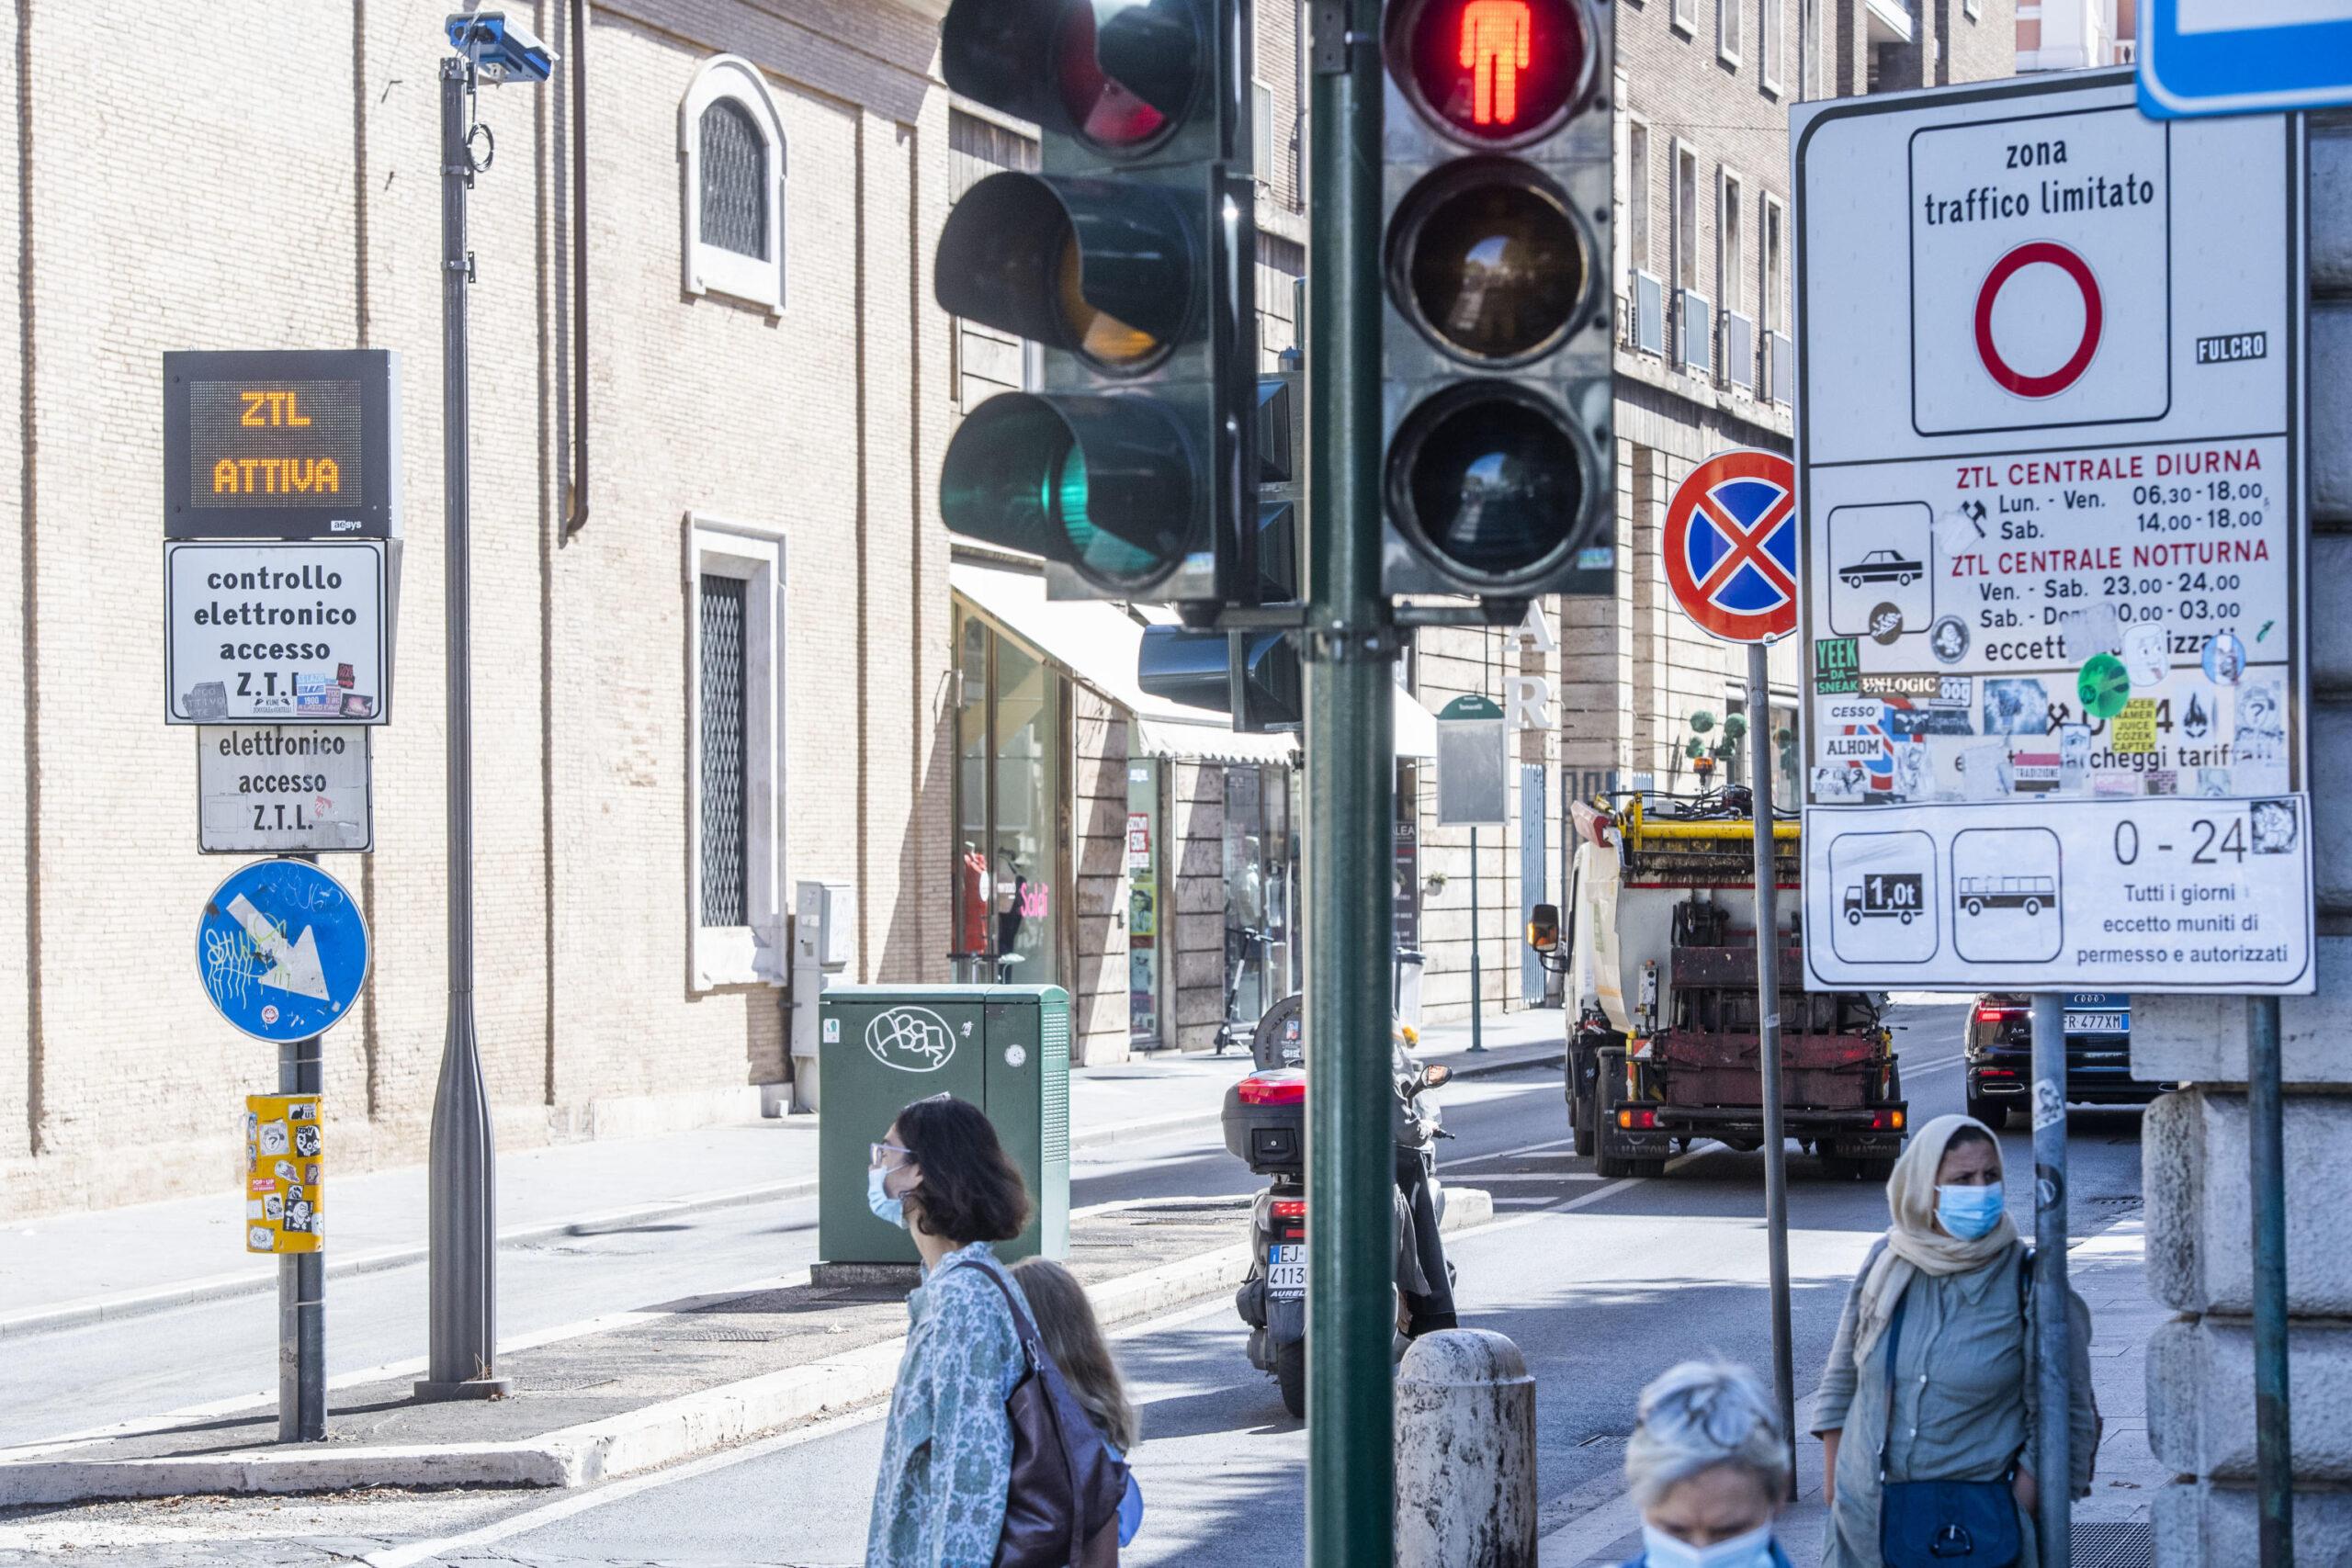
{"type": "Point", "coordinates": [939, 1499]}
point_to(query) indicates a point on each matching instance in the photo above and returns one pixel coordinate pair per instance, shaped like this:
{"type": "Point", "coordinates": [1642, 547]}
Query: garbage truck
{"type": "Point", "coordinates": [1657, 952]}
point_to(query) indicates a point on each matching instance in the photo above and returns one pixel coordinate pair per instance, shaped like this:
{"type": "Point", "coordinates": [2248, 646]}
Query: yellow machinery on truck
{"type": "Point", "coordinates": [1663, 1044]}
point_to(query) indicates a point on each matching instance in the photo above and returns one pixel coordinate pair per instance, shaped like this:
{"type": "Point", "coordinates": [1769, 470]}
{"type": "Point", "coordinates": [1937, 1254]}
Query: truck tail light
{"type": "Point", "coordinates": [1886, 1122]}
{"type": "Point", "coordinates": [1632, 1120]}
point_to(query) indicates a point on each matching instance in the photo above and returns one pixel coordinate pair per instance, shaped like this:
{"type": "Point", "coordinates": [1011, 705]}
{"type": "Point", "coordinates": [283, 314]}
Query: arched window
{"type": "Point", "coordinates": [731, 152]}
{"type": "Point", "coordinates": [734, 181]}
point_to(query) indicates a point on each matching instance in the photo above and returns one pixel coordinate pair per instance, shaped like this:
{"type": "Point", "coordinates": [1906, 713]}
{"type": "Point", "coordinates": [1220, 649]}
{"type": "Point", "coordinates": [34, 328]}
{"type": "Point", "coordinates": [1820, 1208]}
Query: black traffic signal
{"type": "Point", "coordinates": [1498, 459]}
{"type": "Point", "coordinates": [1131, 258]}
{"type": "Point", "coordinates": [1254, 675]}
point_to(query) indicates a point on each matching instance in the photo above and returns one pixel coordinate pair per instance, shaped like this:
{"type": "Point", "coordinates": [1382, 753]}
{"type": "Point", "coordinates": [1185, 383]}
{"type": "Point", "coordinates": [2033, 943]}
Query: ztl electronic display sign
{"type": "Point", "coordinates": [281, 445]}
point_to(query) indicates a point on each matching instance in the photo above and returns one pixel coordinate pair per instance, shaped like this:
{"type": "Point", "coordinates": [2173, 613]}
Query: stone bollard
{"type": "Point", "coordinates": [1465, 1453]}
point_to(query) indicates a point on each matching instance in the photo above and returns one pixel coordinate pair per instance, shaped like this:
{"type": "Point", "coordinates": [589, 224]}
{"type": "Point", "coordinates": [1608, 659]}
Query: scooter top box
{"type": "Point", "coordinates": [1265, 1120]}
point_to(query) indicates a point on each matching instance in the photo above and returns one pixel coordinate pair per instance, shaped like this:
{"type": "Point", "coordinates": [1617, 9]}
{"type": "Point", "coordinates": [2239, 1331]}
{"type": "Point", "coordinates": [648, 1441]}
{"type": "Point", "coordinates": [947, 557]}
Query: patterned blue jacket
{"type": "Point", "coordinates": [947, 1448]}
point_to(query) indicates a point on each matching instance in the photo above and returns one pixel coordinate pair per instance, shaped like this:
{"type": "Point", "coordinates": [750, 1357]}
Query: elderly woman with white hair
{"type": "Point", "coordinates": [1708, 1468]}
{"type": "Point", "coordinates": [1928, 1401]}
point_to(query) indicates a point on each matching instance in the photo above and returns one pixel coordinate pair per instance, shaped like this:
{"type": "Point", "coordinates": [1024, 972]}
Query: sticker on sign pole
{"type": "Point", "coordinates": [1731, 545]}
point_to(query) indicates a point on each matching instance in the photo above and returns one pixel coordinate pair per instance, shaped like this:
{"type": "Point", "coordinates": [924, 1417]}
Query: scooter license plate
{"type": "Point", "coordinates": [1286, 1269]}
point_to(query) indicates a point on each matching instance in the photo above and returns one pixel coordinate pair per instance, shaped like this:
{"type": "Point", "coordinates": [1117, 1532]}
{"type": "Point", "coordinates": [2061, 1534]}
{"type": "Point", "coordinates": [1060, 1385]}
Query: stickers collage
{"type": "Point", "coordinates": [1990, 656]}
{"type": "Point", "coordinates": [285, 1157]}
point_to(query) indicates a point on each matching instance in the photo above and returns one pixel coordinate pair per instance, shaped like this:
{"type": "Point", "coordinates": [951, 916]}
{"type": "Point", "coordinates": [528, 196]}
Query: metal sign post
{"type": "Point", "coordinates": [2052, 1436]}
{"type": "Point", "coordinates": [1731, 558]}
{"type": "Point", "coordinates": [282, 952]}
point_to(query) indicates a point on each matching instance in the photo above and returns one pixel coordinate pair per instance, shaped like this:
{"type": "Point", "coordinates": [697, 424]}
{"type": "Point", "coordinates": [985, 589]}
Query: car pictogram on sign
{"type": "Point", "coordinates": [1881, 566]}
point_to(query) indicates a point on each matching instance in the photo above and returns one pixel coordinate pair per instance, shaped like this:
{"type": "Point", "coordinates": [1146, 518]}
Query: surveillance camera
{"type": "Point", "coordinates": [503, 51]}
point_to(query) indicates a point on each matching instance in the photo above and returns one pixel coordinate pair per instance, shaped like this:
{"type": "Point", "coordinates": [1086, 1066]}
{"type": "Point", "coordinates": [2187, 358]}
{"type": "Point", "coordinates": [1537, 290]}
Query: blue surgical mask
{"type": "Point", "coordinates": [1969, 1211]}
{"type": "Point", "coordinates": [888, 1209]}
{"type": "Point", "coordinates": [1752, 1549]}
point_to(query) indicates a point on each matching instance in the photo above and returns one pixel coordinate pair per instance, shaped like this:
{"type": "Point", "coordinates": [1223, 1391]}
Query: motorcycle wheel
{"type": "Point", "coordinates": [1290, 1372]}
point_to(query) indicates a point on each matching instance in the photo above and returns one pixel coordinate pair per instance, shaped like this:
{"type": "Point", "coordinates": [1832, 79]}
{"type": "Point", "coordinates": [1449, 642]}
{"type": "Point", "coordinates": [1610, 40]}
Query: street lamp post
{"type": "Point", "coordinates": [462, 1352]}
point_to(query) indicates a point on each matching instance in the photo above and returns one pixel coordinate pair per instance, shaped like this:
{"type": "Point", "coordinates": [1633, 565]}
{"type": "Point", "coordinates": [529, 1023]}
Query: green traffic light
{"type": "Point", "coordinates": [1100, 484]}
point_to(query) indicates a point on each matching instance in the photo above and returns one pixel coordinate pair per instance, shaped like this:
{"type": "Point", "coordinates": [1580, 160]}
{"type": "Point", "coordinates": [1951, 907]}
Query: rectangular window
{"type": "Point", "coordinates": [725, 848]}
{"type": "Point", "coordinates": [1727, 29]}
{"type": "Point", "coordinates": [1810, 49]}
{"type": "Point", "coordinates": [1637, 193]}
{"type": "Point", "coordinates": [1686, 14]}
{"type": "Point", "coordinates": [1686, 218]}
{"type": "Point", "coordinates": [1261, 132]}
{"type": "Point", "coordinates": [1729, 254]}
{"type": "Point", "coordinates": [735, 763]}
{"type": "Point", "coordinates": [1767, 42]}
{"type": "Point", "coordinates": [1770, 308]}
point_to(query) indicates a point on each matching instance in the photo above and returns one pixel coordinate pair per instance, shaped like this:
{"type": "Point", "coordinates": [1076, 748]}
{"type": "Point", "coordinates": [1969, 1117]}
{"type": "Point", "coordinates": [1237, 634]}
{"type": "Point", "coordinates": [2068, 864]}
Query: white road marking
{"type": "Point", "coordinates": [579, 1503]}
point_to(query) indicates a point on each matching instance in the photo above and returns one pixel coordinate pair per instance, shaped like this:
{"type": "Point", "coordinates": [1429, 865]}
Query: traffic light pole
{"type": "Point", "coordinates": [1351, 783]}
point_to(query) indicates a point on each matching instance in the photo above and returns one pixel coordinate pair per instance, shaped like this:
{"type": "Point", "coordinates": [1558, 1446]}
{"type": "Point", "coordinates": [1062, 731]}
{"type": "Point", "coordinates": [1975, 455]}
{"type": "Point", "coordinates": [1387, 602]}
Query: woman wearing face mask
{"type": "Point", "coordinates": [1707, 1467]}
{"type": "Point", "coordinates": [1930, 1379]}
{"type": "Point", "coordinates": [939, 1498]}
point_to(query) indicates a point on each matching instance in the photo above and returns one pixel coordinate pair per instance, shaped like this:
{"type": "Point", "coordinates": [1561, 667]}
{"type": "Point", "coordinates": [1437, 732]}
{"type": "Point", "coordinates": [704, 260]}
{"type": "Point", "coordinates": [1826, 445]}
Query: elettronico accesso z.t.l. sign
{"type": "Point", "coordinates": [2049, 452]}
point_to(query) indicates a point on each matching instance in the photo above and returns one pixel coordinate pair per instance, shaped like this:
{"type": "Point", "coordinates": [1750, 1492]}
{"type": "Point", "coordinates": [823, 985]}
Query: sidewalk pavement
{"type": "Point", "coordinates": [631, 1392]}
{"type": "Point", "coordinates": [2109, 1271]}
{"type": "Point", "coordinates": [67, 1269]}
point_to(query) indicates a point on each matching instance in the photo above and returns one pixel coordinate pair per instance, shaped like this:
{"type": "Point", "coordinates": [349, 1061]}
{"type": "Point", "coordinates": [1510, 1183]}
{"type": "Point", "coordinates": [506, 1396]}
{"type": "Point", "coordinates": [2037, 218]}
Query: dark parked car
{"type": "Point", "coordinates": [2098, 1054]}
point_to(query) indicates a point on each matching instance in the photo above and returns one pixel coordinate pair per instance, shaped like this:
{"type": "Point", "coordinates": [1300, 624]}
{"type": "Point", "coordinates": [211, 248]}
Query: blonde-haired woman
{"type": "Point", "coordinates": [1931, 1376]}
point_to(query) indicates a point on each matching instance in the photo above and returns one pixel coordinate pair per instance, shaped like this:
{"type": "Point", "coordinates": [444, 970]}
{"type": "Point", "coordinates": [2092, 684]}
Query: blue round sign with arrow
{"type": "Point", "coordinates": [281, 949]}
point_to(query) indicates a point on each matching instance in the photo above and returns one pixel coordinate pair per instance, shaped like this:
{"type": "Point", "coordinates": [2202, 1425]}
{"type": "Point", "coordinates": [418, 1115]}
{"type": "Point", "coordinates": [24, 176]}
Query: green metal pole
{"type": "Point", "coordinates": [1350, 784]}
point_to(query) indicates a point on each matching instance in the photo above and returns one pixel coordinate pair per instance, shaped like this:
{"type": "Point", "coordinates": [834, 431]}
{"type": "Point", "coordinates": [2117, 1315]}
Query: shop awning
{"type": "Point", "coordinates": [1099, 643]}
{"type": "Point", "coordinates": [1416, 727]}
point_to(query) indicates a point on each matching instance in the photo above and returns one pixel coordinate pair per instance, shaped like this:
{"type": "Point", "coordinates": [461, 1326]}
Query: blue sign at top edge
{"type": "Point", "coordinates": [281, 950]}
{"type": "Point", "coordinates": [2235, 57]}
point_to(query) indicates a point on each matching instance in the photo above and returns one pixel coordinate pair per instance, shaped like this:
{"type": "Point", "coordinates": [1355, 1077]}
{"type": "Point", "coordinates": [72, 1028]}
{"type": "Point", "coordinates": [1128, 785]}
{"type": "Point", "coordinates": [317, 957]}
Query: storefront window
{"type": "Point", "coordinates": [1143, 921]}
{"type": "Point", "coordinates": [1008, 792]}
{"type": "Point", "coordinates": [1260, 860]}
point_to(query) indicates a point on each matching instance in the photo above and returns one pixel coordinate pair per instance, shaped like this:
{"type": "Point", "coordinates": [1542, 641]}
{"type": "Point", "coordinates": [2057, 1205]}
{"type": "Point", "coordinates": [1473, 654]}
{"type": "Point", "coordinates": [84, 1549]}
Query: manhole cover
{"type": "Point", "coordinates": [2106, 1545]}
{"type": "Point", "coordinates": [2117, 1200]}
{"type": "Point", "coordinates": [711, 1336]}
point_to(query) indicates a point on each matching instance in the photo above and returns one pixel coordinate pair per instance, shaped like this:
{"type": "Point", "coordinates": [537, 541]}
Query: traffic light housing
{"type": "Point", "coordinates": [1130, 258]}
{"type": "Point", "coordinates": [1254, 675]}
{"type": "Point", "coordinates": [1497, 461]}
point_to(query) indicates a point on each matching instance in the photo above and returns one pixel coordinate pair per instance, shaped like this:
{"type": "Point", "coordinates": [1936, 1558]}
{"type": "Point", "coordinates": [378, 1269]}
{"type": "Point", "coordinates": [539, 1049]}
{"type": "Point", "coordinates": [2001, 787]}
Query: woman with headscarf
{"type": "Point", "coordinates": [1943, 1298]}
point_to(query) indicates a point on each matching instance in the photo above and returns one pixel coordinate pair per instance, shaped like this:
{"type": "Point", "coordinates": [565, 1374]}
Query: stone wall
{"type": "Point", "coordinates": [2201, 1370]}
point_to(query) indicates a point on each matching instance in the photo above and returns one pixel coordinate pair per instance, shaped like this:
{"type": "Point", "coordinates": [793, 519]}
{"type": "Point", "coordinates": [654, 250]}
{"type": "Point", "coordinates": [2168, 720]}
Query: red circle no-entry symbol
{"type": "Point", "coordinates": [2009, 378]}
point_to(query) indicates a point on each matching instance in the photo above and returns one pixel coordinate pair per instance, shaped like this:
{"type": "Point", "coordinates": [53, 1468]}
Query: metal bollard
{"type": "Point", "coordinates": [1465, 1453]}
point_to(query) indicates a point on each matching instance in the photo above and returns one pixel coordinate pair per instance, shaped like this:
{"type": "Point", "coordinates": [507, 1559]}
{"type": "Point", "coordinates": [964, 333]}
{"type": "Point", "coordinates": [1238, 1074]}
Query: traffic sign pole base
{"type": "Point", "coordinates": [469, 1388]}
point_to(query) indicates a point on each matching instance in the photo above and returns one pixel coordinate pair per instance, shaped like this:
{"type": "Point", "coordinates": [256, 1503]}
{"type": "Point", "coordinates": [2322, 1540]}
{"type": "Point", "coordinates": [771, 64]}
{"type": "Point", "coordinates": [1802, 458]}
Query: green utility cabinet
{"type": "Point", "coordinates": [1004, 1048]}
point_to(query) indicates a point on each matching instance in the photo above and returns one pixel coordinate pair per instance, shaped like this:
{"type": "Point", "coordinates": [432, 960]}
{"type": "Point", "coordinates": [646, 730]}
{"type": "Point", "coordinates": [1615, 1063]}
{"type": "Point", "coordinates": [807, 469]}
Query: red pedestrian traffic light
{"type": "Point", "coordinates": [1497, 72]}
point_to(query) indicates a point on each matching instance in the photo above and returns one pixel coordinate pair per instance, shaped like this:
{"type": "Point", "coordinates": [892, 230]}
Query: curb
{"type": "Point", "coordinates": [619, 1444]}
{"type": "Point", "coordinates": [112, 1309]}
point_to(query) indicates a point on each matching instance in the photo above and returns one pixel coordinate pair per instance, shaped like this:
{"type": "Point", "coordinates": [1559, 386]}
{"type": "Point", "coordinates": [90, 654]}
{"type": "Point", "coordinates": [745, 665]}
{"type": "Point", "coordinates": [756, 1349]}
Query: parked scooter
{"type": "Point", "coordinates": [1265, 1125]}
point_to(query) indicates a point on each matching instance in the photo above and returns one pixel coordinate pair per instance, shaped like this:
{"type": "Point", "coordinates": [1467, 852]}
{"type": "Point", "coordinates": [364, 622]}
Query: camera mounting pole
{"type": "Point", "coordinates": [462, 1354]}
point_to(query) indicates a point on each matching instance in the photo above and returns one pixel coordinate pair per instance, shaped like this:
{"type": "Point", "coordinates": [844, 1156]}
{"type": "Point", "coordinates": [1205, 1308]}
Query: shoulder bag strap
{"type": "Point", "coordinates": [1023, 1329]}
{"type": "Point", "coordinates": [1893, 1344]}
